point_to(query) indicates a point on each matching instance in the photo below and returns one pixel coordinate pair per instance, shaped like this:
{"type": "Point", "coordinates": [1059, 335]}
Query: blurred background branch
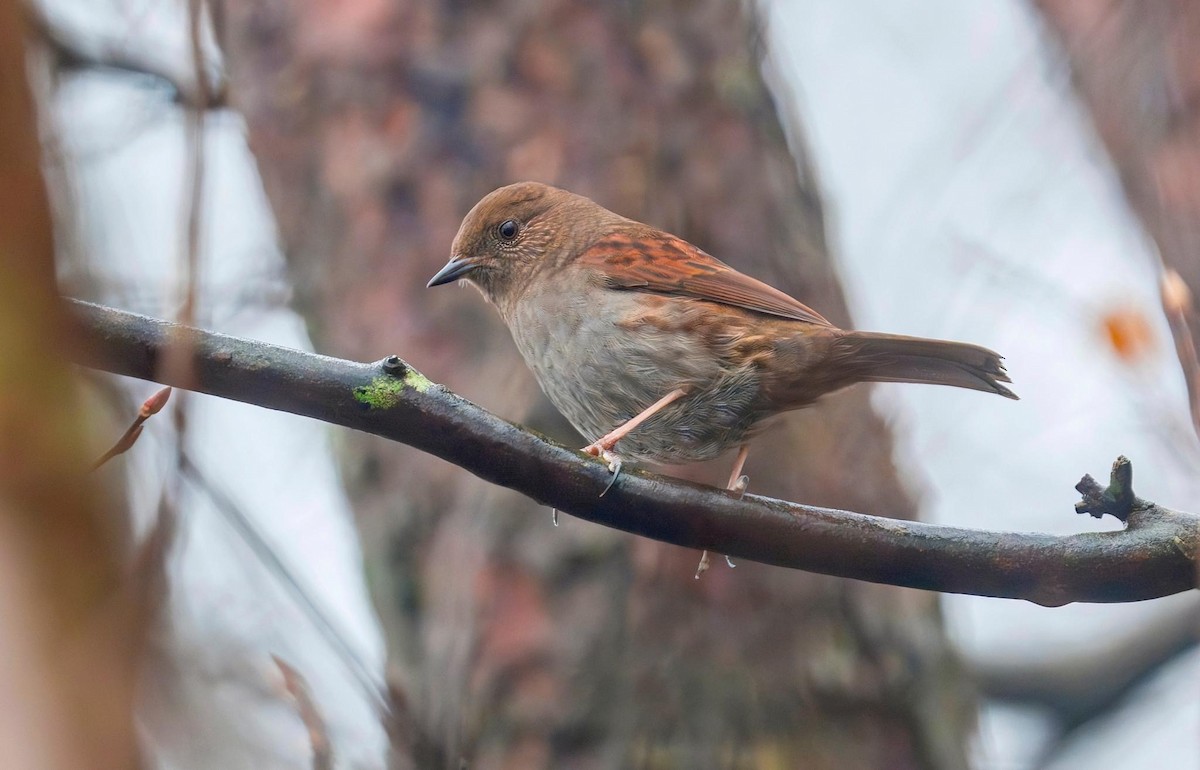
{"type": "Point", "coordinates": [1137, 69]}
{"type": "Point", "coordinates": [195, 87]}
{"type": "Point", "coordinates": [1076, 685]}
{"type": "Point", "coordinates": [76, 619]}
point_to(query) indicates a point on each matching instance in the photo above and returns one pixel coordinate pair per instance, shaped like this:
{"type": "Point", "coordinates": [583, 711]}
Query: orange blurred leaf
{"type": "Point", "coordinates": [1127, 331]}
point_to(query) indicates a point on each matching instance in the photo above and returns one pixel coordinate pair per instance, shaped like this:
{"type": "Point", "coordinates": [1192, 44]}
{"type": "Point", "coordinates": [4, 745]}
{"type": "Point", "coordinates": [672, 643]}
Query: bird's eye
{"type": "Point", "coordinates": [508, 229]}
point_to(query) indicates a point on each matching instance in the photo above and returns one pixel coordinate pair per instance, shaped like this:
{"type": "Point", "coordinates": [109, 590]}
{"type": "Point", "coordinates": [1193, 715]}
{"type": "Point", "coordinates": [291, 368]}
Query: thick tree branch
{"type": "Point", "coordinates": [1153, 556]}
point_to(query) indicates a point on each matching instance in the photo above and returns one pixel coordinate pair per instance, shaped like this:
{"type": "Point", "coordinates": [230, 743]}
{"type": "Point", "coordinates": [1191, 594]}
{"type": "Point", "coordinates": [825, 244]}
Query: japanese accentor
{"type": "Point", "coordinates": [655, 350]}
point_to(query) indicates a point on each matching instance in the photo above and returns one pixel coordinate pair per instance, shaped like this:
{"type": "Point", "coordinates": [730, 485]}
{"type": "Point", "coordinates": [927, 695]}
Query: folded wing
{"type": "Point", "coordinates": [653, 261]}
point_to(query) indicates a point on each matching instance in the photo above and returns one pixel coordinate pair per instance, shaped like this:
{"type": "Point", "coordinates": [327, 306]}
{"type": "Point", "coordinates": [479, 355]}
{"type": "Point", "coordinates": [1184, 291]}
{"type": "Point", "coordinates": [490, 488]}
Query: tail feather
{"type": "Point", "coordinates": [872, 357]}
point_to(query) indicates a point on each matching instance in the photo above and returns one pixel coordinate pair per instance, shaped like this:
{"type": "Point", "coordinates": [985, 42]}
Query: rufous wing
{"type": "Point", "coordinates": [657, 262]}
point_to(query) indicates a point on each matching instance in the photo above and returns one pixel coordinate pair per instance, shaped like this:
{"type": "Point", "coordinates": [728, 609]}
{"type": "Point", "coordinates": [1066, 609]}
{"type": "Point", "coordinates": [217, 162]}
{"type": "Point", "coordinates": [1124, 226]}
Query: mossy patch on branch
{"type": "Point", "coordinates": [381, 393]}
{"type": "Point", "coordinates": [417, 381]}
{"type": "Point", "coordinates": [384, 392]}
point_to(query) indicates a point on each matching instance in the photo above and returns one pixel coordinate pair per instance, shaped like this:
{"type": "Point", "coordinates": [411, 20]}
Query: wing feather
{"type": "Point", "coordinates": [657, 262]}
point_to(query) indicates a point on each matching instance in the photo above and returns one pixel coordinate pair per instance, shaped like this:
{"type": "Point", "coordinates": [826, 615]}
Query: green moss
{"type": "Point", "coordinates": [382, 393]}
{"type": "Point", "coordinates": [417, 381]}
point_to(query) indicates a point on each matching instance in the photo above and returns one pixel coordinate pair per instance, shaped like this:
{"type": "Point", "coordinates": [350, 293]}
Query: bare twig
{"type": "Point", "coordinates": [1153, 556]}
{"type": "Point", "coordinates": [1177, 304]}
{"type": "Point", "coordinates": [150, 407]}
{"type": "Point", "coordinates": [1117, 499]}
{"type": "Point", "coordinates": [318, 736]}
{"type": "Point", "coordinates": [194, 193]}
{"type": "Point", "coordinates": [178, 362]}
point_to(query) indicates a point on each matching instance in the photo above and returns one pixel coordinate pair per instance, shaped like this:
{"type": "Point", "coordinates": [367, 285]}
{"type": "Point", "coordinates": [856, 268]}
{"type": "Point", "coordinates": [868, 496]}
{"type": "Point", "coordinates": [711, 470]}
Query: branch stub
{"type": "Point", "coordinates": [1117, 499]}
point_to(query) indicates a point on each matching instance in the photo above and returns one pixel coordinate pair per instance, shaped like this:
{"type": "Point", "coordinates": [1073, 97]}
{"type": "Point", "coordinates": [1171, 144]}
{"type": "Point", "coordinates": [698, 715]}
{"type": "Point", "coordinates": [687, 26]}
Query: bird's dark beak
{"type": "Point", "coordinates": [456, 268]}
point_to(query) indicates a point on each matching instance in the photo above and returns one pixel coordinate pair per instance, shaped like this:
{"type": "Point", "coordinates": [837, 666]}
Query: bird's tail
{"type": "Point", "coordinates": [872, 357]}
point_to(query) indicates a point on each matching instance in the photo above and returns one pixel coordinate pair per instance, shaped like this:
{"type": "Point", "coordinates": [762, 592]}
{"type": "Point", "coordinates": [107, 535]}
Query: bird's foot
{"type": "Point", "coordinates": [738, 486]}
{"type": "Point", "coordinates": [605, 453]}
{"type": "Point", "coordinates": [596, 448]}
{"type": "Point", "coordinates": [702, 567]}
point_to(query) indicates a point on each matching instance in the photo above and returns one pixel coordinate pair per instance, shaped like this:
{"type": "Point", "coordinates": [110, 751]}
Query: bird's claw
{"type": "Point", "coordinates": [614, 467]}
{"type": "Point", "coordinates": [612, 459]}
{"type": "Point", "coordinates": [739, 486]}
{"type": "Point", "coordinates": [702, 567]}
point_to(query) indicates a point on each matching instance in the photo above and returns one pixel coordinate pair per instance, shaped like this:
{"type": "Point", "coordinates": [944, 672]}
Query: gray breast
{"type": "Point", "coordinates": [602, 369]}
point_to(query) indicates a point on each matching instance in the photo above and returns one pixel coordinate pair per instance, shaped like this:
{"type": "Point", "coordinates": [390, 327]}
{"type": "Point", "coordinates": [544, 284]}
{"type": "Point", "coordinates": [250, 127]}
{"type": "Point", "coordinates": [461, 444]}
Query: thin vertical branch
{"type": "Point", "coordinates": [1177, 304]}
{"type": "Point", "coordinates": [179, 355]}
{"type": "Point", "coordinates": [193, 201]}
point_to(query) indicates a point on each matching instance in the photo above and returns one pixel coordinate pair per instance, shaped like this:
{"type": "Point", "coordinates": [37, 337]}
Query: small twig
{"type": "Point", "coordinates": [151, 406]}
{"type": "Point", "coordinates": [178, 361]}
{"type": "Point", "coordinates": [1116, 500]}
{"type": "Point", "coordinates": [196, 137]}
{"type": "Point", "coordinates": [318, 736]}
{"type": "Point", "coordinates": [1177, 304]}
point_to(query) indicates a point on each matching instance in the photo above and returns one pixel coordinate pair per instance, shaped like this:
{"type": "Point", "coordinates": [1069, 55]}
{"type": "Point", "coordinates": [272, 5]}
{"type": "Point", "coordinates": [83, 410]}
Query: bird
{"type": "Point", "coordinates": [656, 351]}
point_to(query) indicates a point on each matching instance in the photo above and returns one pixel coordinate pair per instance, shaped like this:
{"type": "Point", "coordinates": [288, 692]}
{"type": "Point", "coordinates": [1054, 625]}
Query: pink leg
{"type": "Point", "coordinates": [606, 442]}
{"type": "Point", "coordinates": [602, 447]}
{"type": "Point", "coordinates": [737, 483]}
{"type": "Point", "coordinates": [735, 478]}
